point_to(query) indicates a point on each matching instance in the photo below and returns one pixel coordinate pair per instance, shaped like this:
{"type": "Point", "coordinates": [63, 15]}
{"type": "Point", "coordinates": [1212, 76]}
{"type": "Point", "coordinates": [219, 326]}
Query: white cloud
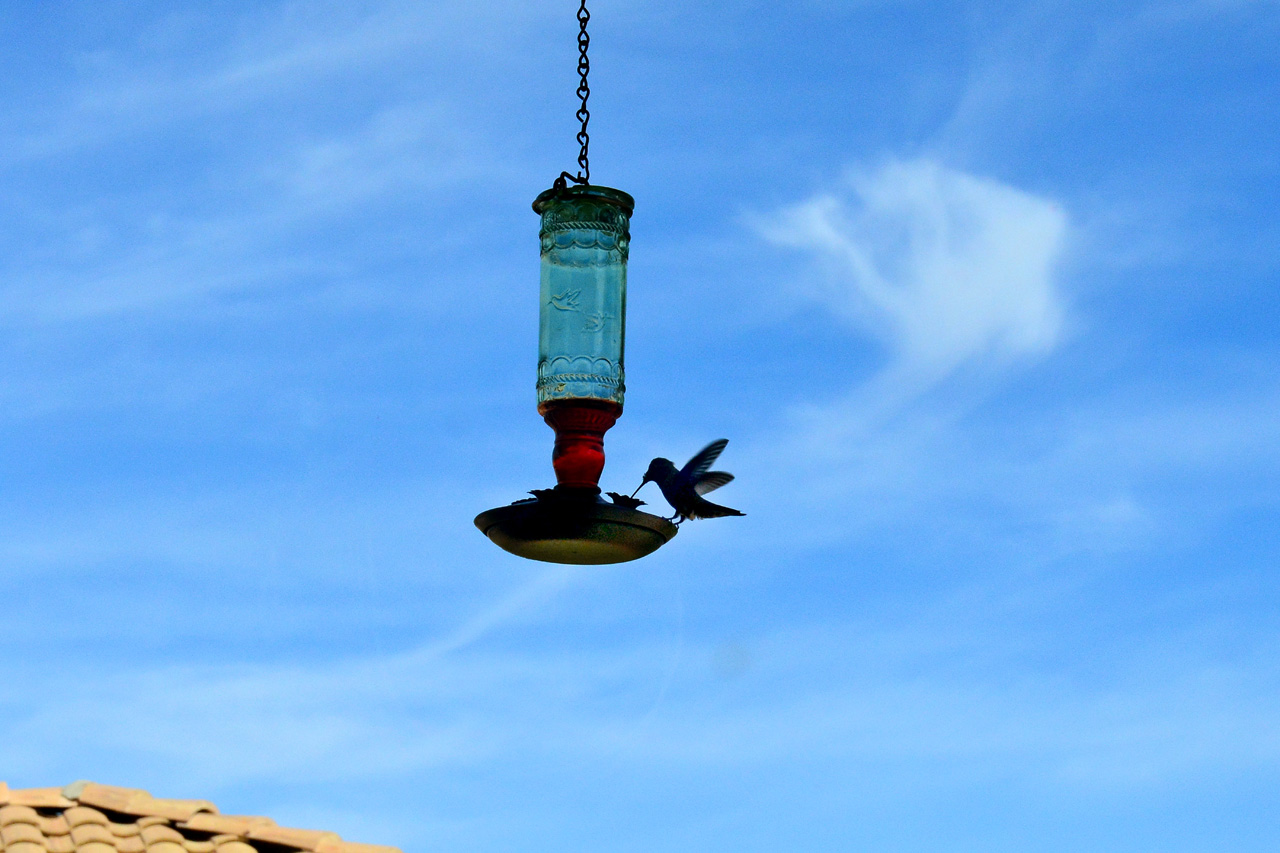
{"type": "Point", "coordinates": [187, 67]}
{"type": "Point", "coordinates": [406, 148]}
{"type": "Point", "coordinates": [933, 691]}
{"type": "Point", "coordinates": [947, 266]}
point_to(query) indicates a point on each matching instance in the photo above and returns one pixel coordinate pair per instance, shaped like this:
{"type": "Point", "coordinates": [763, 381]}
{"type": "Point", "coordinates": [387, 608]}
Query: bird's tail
{"type": "Point", "coordinates": [706, 509]}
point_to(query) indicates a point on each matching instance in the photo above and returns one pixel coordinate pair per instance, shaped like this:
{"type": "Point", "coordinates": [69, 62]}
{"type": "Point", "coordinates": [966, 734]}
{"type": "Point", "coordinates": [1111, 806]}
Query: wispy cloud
{"type": "Point", "coordinates": [188, 66]}
{"type": "Point", "coordinates": [946, 266]}
{"type": "Point", "coordinates": [937, 694]}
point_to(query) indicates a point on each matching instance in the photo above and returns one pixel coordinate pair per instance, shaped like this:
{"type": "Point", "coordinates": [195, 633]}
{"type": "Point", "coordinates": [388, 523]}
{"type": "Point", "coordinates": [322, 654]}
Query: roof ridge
{"type": "Point", "coordinates": [135, 801]}
{"type": "Point", "coordinates": [199, 816]}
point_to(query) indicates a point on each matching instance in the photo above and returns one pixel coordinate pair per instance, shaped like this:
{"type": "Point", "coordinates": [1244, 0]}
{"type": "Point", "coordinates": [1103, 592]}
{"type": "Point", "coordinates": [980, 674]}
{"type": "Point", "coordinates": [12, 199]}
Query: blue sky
{"type": "Point", "coordinates": [984, 295]}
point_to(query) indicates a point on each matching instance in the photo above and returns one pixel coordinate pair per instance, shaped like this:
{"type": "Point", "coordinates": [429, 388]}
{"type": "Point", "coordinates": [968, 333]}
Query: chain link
{"type": "Point", "coordinates": [583, 114]}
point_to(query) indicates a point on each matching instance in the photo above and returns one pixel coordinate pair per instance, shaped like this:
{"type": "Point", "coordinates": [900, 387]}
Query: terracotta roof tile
{"type": "Point", "coordinates": [179, 809]}
{"type": "Point", "coordinates": [39, 798]}
{"type": "Point", "coordinates": [236, 847]}
{"type": "Point", "coordinates": [56, 825]}
{"type": "Point", "coordinates": [79, 815]}
{"type": "Point", "coordinates": [302, 839]}
{"type": "Point", "coordinates": [15, 832]}
{"type": "Point", "coordinates": [18, 814]}
{"type": "Point", "coordinates": [106, 796]}
{"type": "Point", "coordinates": [166, 847]}
{"type": "Point", "coordinates": [158, 832]}
{"type": "Point", "coordinates": [60, 844]}
{"type": "Point", "coordinates": [87, 832]}
{"type": "Point", "coordinates": [136, 801]}
{"type": "Point", "coordinates": [23, 847]}
{"type": "Point", "coordinates": [94, 843]}
{"type": "Point", "coordinates": [88, 818]}
{"type": "Point", "coordinates": [237, 825]}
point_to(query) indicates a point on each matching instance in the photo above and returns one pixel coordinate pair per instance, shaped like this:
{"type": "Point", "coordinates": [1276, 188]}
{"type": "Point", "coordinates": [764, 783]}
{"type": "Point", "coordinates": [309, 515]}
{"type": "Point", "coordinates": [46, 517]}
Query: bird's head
{"type": "Point", "coordinates": [660, 470]}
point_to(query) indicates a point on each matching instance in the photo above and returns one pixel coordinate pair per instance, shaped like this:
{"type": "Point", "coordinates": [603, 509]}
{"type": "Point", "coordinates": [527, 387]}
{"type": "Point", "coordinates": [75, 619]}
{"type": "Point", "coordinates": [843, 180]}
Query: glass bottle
{"type": "Point", "coordinates": [585, 237]}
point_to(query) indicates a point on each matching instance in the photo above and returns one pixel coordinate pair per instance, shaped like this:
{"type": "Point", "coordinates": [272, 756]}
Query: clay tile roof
{"type": "Point", "coordinates": [90, 818]}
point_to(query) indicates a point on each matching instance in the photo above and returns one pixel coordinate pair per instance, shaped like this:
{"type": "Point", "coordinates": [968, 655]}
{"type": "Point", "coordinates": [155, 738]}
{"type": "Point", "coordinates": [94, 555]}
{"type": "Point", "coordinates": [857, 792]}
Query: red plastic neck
{"type": "Point", "coordinates": [580, 426]}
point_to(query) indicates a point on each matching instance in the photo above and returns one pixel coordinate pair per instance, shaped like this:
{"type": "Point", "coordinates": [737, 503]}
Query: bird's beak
{"type": "Point", "coordinates": [639, 487]}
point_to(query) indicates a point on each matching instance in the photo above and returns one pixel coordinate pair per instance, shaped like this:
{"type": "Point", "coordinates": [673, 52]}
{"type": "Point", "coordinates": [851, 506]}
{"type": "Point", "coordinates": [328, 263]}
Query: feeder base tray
{"type": "Point", "coordinates": [574, 528]}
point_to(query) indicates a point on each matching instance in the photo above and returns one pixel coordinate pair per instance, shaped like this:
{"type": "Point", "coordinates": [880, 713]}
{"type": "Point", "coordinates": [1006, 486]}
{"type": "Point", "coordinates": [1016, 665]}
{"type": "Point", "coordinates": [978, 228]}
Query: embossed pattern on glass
{"type": "Point", "coordinates": [584, 300]}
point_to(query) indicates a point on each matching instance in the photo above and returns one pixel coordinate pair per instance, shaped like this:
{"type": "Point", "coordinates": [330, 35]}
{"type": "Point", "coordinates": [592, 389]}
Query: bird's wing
{"type": "Point", "coordinates": [711, 481]}
{"type": "Point", "coordinates": [705, 458]}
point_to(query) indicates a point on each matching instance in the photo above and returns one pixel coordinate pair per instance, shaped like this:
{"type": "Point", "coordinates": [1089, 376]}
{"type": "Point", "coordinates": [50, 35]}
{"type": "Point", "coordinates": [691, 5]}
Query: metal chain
{"type": "Point", "coordinates": [584, 92]}
{"type": "Point", "coordinates": [583, 114]}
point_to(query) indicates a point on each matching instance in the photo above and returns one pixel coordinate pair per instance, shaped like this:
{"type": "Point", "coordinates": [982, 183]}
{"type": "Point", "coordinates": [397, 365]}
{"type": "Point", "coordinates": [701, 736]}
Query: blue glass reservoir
{"type": "Point", "coordinates": [582, 319]}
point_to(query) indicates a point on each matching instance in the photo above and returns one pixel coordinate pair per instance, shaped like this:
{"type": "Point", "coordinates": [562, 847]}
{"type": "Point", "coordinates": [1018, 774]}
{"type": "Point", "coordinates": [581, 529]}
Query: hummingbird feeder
{"type": "Point", "coordinates": [585, 236]}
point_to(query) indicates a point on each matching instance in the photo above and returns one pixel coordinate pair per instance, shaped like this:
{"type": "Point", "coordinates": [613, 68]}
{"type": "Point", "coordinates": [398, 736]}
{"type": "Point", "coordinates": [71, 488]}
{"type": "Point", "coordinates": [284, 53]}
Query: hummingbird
{"type": "Point", "coordinates": [684, 488]}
